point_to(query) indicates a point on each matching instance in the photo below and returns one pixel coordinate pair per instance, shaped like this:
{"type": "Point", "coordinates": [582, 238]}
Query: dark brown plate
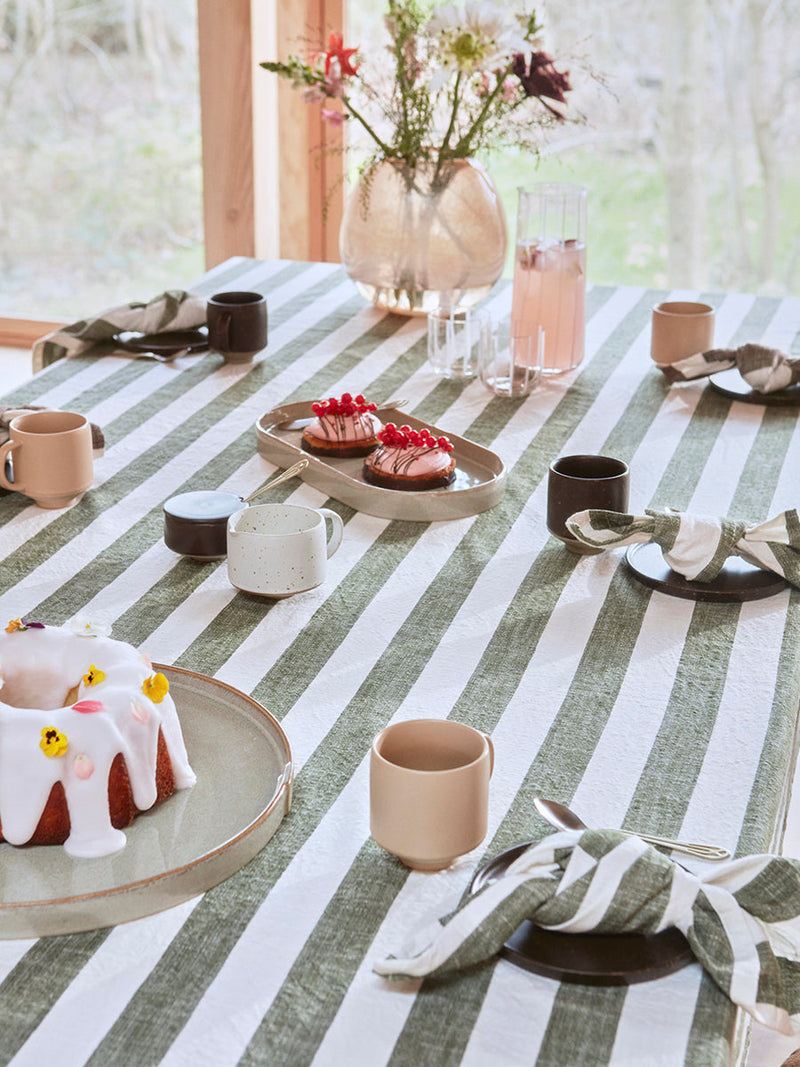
{"type": "Point", "coordinates": [591, 959]}
{"type": "Point", "coordinates": [731, 383]}
{"type": "Point", "coordinates": [163, 344]}
{"type": "Point", "coordinates": [737, 581]}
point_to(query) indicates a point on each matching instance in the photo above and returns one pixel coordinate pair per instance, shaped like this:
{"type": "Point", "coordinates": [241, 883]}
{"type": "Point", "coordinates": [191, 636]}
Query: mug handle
{"type": "Point", "coordinates": [5, 452]}
{"type": "Point", "coordinates": [490, 743]}
{"type": "Point", "coordinates": [337, 529]}
{"type": "Point", "coordinates": [226, 318]}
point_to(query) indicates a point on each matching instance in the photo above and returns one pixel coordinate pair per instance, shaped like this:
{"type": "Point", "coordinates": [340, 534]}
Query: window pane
{"type": "Point", "coordinates": [100, 173]}
{"type": "Point", "coordinates": [690, 145]}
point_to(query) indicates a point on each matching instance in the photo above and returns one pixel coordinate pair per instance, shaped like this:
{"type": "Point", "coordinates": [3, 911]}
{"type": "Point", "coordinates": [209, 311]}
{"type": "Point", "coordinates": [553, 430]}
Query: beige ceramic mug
{"type": "Point", "coordinates": [681, 328]}
{"type": "Point", "coordinates": [51, 457]}
{"type": "Point", "coordinates": [429, 791]}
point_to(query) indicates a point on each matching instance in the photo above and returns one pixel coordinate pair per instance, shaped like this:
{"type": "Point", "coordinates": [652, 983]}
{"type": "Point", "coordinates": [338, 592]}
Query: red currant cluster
{"type": "Point", "coordinates": [405, 437]}
{"type": "Point", "coordinates": [348, 405]}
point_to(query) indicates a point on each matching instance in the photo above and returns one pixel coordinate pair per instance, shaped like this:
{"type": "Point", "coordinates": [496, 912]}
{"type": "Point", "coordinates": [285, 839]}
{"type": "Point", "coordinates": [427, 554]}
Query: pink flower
{"type": "Point", "coordinates": [335, 118]}
{"type": "Point", "coordinates": [314, 94]}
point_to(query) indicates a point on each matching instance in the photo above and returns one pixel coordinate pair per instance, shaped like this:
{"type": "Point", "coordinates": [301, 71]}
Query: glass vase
{"type": "Point", "coordinates": [414, 239]}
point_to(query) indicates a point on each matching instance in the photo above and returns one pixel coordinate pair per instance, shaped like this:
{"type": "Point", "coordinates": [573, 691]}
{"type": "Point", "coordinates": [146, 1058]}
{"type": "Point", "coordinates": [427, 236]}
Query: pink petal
{"type": "Point", "coordinates": [139, 711]}
{"type": "Point", "coordinates": [83, 766]}
{"type": "Point", "coordinates": [87, 707]}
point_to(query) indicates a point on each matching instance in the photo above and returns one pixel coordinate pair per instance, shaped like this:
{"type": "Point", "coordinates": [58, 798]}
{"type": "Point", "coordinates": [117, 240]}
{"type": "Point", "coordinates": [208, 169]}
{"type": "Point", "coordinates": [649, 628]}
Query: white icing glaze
{"type": "Point", "coordinates": [39, 668]}
{"type": "Point", "coordinates": [412, 461]}
{"type": "Point", "coordinates": [345, 428]}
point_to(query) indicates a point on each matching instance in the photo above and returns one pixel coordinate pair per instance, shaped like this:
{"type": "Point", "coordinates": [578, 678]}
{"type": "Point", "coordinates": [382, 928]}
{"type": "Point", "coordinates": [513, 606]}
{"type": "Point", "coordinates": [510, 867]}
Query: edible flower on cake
{"type": "Point", "coordinates": [342, 427]}
{"type": "Point", "coordinates": [409, 459]}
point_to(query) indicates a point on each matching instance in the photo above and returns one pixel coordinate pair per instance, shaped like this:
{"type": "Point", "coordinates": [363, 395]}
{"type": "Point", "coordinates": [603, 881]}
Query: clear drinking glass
{"type": "Point", "coordinates": [512, 365]}
{"type": "Point", "coordinates": [456, 338]}
{"type": "Point", "coordinates": [550, 271]}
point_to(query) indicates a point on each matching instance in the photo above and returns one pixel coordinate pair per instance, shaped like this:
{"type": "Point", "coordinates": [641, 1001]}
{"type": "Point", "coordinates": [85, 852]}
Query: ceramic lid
{"type": "Point", "coordinates": [203, 505]}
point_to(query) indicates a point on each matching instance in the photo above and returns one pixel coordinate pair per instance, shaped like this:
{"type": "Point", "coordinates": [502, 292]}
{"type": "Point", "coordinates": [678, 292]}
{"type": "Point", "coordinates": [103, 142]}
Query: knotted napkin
{"type": "Point", "coordinates": [697, 546]}
{"type": "Point", "coordinates": [742, 920]}
{"type": "Point", "coordinates": [173, 310]}
{"type": "Point", "coordinates": [764, 369]}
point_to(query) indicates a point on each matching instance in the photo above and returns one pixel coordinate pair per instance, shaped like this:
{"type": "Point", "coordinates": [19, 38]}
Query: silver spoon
{"type": "Point", "coordinates": [290, 472]}
{"type": "Point", "coordinates": [563, 818]}
{"type": "Point", "coordinates": [168, 357]}
{"type": "Point", "coordinates": [300, 424]}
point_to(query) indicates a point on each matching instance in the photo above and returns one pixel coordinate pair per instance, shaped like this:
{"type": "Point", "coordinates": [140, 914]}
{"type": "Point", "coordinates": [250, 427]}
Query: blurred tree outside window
{"type": "Point", "coordinates": [691, 140]}
{"type": "Point", "coordinates": [100, 172]}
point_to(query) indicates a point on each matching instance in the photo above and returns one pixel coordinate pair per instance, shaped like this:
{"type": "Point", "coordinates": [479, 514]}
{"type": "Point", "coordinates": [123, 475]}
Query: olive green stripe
{"type": "Point", "coordinates": [584, 1019]}
{"type": "Point", "coordinates": [561, 762]}
{"type": "Point", "coordinates": [135, 624]}
{"type": "Point", "coordinates": [709, 643]}
{"type": "Point", "coordinates": [44, 974]}
{"type": "Point", "coordinates": [175, 440]}
{"type": "Point", "coordinates": [322, 636]}
{"type": "Point", "coordinates": [295, 1025]}
{"type": "Point", "coordinates": [264, 279]}
{"type": "Point", "coordinates": [482, 537]}
{"type": "Point", "coordinates": [376, 701]}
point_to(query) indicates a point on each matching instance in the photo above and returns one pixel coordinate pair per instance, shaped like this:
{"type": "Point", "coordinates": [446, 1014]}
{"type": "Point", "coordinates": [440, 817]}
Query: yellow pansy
{"type": "Point", "coordinates": [53, 743]}
{"type": "Point", "coordinates": [94, 676]}
{"type": "Point", "coordinates": [155, 687]}
{"type": "Point", "coordinates": [14, 624]}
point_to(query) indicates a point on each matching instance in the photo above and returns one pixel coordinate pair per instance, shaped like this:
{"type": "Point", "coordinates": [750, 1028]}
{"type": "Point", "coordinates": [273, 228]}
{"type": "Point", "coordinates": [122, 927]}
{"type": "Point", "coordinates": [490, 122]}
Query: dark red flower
{"type": "Point", "coordinates": [337, 50]}
{"type": "Point", "coordinates": [540, 78]}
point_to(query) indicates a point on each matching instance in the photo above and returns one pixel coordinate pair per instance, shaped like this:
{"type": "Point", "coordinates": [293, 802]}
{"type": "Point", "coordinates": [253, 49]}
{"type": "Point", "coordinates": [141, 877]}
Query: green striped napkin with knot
{"type": "Point", "coordinates": [174, 309]}
{"type": "Point", "coordinates": [697, 546]}
{"type": "Point", "coordinates": [764, 369]}
{"type": "Point", "coordinates": [742, 920]}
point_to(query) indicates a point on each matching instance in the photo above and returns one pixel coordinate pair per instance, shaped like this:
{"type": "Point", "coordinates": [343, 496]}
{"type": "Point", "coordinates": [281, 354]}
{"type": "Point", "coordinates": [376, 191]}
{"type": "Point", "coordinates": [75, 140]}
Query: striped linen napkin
{"type": "Point", "coordinates": [742, 920]}
{"type": "Point", "coordinates": [174, 309]}
{"type": "Point", "coordinates": [764, 369]}
{"type": "Point", "coordinates": [697, 546]}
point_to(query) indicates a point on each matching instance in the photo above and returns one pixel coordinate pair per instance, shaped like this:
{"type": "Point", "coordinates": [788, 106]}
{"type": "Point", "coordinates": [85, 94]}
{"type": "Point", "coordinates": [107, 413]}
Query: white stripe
{"type": "Point", "coordinates": [90, 1005]}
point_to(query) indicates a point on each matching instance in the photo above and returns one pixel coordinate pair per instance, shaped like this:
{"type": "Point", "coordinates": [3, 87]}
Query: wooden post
{"type": "Point", "coordinates": [311, 159]}
{"type": "Point", "coordinates": [226, 102]}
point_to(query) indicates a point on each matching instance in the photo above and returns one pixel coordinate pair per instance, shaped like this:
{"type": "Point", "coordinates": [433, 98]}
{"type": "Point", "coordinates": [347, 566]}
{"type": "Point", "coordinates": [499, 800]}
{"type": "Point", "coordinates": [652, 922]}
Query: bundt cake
{"type": "Point", "coordinates": [89, 737]}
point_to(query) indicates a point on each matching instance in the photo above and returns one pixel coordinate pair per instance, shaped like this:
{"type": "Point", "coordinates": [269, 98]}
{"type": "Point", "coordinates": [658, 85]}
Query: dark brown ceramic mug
{"type": "Point", "coordinates": [237, 325]}
{"type": "Point", "coordinates": [577, 483]}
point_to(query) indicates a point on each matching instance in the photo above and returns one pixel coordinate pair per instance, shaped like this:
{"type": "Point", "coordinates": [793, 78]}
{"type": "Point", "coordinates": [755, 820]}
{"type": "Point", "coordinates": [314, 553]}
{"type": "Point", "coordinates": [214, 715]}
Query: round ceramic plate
{"type": "Point", "coordinates": [189, 843]}
{"type": "Point", "coordinates": [731, 383]}
{"type": "Point", "coordinates": [591, 959]}
{"type": "Point", "coordinates": [737, 581]}
{"type": "Point", "coordinates": [163, 344]}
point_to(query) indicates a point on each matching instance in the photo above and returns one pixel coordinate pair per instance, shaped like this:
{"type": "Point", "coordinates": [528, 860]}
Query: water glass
{"type": "Point", "coordinates": [512, 365]}
{"type": "Point", "coordinates": [550, 270]}
{"type": "Point", "coordinates": [456, 337]}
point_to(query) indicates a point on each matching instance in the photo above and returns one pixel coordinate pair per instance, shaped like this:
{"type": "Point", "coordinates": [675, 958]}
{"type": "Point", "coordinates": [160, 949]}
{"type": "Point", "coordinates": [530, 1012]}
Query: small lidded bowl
{"type": "Point", "coordinates": [196, 523]}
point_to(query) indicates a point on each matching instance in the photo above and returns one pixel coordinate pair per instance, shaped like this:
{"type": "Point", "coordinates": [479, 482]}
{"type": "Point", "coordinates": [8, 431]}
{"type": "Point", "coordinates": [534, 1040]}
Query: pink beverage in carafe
{"type": "Point", "coordinates": [550, 291]}
{"type": "Point", "coordinates": [550, 272]}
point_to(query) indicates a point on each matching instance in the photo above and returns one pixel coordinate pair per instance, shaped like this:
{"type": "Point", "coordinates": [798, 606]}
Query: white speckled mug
{"type": "Point", "coordinates": [277, 550]}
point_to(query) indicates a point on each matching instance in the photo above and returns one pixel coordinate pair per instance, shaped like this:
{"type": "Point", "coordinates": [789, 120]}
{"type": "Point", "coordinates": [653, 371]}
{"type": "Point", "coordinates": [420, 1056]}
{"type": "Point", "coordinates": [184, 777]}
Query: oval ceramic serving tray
{"type": "Point", "coordinates": [479, 483]}
{"type": "Point", "coordinates": [193, 841]}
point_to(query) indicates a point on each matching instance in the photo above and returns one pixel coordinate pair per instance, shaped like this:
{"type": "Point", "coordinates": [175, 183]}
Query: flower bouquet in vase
{"type": "Point", "coordinates": [424, 226]}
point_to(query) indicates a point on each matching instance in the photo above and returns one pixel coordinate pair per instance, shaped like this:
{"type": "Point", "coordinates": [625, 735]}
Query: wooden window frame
{"type": "Point", "coordinates": [272, 169]}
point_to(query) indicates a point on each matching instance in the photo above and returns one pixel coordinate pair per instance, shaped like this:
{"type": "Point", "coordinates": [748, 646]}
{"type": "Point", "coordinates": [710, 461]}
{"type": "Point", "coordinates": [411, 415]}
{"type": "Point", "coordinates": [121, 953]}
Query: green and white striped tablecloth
{"type": "Point", "coordinates": [646, 712]}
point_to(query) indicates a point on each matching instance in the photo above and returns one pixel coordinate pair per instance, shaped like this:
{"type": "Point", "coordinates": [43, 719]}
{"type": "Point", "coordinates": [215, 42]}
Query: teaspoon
{"type": "Point", "coordinates": [563, 818]}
